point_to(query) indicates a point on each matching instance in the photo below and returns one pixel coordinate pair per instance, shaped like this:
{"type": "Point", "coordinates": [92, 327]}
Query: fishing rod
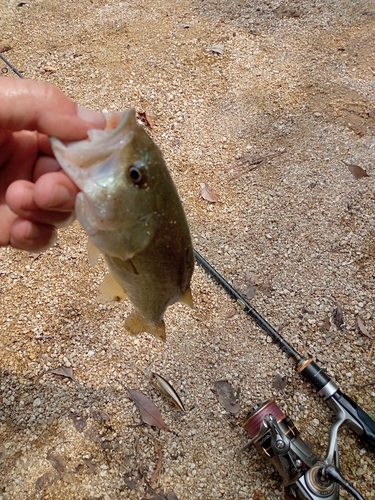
{"type": "Point", "coordinates": [274, 434]}
{"type": "Point", "coordinates": [355, 417]}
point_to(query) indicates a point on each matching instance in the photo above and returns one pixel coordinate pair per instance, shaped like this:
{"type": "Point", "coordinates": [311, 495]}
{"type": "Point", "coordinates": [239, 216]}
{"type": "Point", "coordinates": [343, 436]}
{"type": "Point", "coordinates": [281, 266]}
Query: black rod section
{"type": "Point", "coordinates": [250, 310]}
{"type": "Point", "coordinates": [10, 65]}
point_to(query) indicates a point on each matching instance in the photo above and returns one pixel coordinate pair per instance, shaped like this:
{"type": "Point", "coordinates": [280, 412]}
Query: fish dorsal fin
{"type": "Point", "coordinates": [187, 298]}
{"type": "Point", "coordinates": [110, 290]}
{"type": "Point", "coordinates": [136, 324]}
{"type": "Point", "coordinates": [94, 253]}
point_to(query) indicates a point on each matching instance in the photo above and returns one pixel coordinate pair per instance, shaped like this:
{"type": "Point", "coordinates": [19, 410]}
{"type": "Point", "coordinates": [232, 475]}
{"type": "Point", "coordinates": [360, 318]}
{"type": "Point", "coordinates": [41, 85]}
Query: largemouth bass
{"type": "Point", "coordinates": [132, 213]}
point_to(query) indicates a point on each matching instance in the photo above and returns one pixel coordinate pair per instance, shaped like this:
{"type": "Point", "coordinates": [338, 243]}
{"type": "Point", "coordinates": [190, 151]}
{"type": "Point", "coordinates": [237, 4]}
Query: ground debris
{"type": "Point", "coordinates": [225, 394]}
{"type": "Point", "coordinates": [150, 413]}
{"type": "Point", "coordinates": [338, 317]}
{"type": "Point", "coordinates": [356, 170]}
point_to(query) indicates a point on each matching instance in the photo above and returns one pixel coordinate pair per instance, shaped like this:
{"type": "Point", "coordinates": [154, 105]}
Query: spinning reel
{"type": "Point", "coordinates": [278, 440]}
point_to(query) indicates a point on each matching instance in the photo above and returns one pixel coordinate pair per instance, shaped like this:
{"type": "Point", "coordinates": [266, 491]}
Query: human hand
{"type": "Point", "coordinates": [36, 197]}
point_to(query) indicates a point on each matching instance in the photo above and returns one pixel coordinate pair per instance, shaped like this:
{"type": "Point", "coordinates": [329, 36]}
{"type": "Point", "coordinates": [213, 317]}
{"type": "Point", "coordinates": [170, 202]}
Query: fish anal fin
{"type": "Point", "coordinates": [187, 298]}
{"type": "Point", "coordinates": [94, 253]}
{"type": "Point", "coordinates": [136, 324]}
{"type": "Point", "coordinates": [110, 290]}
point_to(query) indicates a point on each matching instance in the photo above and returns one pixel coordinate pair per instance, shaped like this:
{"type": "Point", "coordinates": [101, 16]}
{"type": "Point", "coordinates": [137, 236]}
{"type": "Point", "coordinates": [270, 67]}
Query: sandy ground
{"type": "Point", "coordinates": [295, 78]}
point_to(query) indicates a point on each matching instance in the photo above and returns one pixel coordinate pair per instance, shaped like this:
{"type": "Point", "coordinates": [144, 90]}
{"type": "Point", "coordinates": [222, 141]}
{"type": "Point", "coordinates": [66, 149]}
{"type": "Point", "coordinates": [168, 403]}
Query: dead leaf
{"type": "Point", "coordinates": [326, 326]}
{"type": "Point", "coordinates": [35, 256]}
{"type": "Point", "coordinates": [150, 413]}
{"type": "Point", "coordinates": [248, 162]}
{"type": "Point", "coordinates": [155, 476]}
{"type": "Point", "coordinates": [356, 170]}
{"type": "Point", "coordinates": [280, 382]}
{"type": "Point", "coordinates": [57, 462]}
{"type": "Point", "coordinates": [329, 337]}
{"type": "Point", "coordinates": [93, 434]}
{"type": "Point", "coordinates": [47, 478]}
{"type": "Point", "coordinates": [171, 495]}
{"type": "Point", "coordinates": [208, 193]}
{"type": "Point", "coordinates": [99, 416]}
{"type": "Point", "coordinates": [63, 371]}
{"type": "Point", "coordinates": [130, 483]}
{"type": "Point", "coordinates": [225, 394]}
{"type": "Point", "coordinates": [361, 327]}
{"type": "Point", "coordinates": [91, 467]}
{"type": "Point", "coordinates": [79, 422]}
{"type": "Point", "coordinates": [145, 118]}
{"type": "Point", "coordinates": [218, 49]}
{"type": "Point", "coordinates": [338, 317]}
{"type": "Point", "coordinates": [249, 292]}
{"type": "Point", "coordinates": [166, 389]}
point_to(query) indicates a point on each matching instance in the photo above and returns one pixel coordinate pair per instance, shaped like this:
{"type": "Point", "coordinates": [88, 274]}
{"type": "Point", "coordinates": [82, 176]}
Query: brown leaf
{"type": "Point", "coordinates": [99, 416]}
{"type": "Point", "coordinates": [208, 193]}
{"type": "Point", "coordinates": [279, 382]}
{"type": "Point", "coordinates": [356, 170]}
{"type": "Point", "coordinates": [57, 462]}
{"type": "Point", "coordinates": [46, 478]}
{"type": "Point", "coordinates": [326, 326]}
{"type": "Point", "coordinates": [79, 422]}
{"type": "Point", "coordinates": [145, 118]}
{"type": "Point", "coordinates": [225, 394]}
{"type": "Point", "coordinates": [338, 317]}
{"type": "Point", "coordinates": [130, 483]}
{"type": "Point", "coordinates": [361, 327]}
{"type": "Point", "coordinates": [171, 495]}
{"type": "Point", "coordinates": [150, 413]}
{"type": "Point", "coordinates": [63, 371]}
{"type": "Point", "coordinates": [35, 256]}
{"type": "Point", "coordinates": [155, 476]}
{"type": "Point", "coordinates": [249, 292]}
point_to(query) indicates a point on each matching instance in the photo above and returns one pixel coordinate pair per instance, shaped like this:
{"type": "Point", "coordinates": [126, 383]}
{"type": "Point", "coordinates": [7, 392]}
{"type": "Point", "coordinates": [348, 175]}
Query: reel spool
{"type": "Point", "coordinates": [255, 417]}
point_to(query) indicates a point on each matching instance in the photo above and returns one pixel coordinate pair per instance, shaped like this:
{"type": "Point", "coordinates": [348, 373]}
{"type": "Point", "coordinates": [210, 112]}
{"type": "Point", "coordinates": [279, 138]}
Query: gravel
{"type": "Point", "coordinates": [267, 121]}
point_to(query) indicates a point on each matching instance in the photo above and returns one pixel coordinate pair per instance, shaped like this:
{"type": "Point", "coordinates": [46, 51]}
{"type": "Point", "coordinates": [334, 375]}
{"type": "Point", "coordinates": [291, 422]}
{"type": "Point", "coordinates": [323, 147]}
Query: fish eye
{"type": "Point", "coordinates": [137, 174]}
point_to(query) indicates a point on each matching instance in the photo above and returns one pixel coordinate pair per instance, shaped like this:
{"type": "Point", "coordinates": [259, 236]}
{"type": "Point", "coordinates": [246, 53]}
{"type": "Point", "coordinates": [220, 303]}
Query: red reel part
{"type": "Point", "coordinates": [255, 417]}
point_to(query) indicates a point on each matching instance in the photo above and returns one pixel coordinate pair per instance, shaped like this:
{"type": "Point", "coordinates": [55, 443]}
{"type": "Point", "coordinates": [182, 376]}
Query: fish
{"type": "Point", "coordinates": [133, 216]}
{"type": "Point", "coordinates": [165, 388]}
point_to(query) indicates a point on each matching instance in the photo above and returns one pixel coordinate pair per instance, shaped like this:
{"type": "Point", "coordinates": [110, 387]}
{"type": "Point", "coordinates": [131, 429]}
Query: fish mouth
{"type": "Point", "coordinates": [98, 156]}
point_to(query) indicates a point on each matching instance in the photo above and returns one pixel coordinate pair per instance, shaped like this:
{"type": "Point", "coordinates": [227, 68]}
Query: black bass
{"type": "Point", "coordinates": [132, 213]}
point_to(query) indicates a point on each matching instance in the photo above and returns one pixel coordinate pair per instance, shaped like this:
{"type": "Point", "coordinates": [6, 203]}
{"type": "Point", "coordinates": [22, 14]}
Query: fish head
{"type": "Point", "coordinates": [120, 172]}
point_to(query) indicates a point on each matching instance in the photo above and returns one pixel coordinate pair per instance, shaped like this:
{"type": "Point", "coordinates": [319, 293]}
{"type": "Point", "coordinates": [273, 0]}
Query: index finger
{"type": "Point", "coordinates": [34, 105]}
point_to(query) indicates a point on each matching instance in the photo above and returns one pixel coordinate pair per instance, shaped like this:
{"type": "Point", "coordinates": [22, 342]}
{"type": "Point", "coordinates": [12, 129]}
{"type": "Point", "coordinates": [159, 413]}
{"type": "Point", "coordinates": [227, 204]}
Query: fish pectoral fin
{"type": "Point", "coordinates": [136, 324]}
{"type": "Point", "coordinates": [187, 298]}
{"type": "Point", "coordinates": [93, 251]}
{"type": "Point", "coordinates": [110, 290]}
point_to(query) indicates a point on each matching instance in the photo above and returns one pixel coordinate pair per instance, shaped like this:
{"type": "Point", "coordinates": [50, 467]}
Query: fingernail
{"type": "Point", "coordinates": [61, 198]}
{"type": "Point", "coordinates": [32, 232]}
{"type": "Point", "coordinates": [91, 116]}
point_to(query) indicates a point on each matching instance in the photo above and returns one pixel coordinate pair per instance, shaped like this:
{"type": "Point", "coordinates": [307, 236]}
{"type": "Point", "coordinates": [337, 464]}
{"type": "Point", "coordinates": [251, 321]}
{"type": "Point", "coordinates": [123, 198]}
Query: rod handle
{"type": "Point", "coordinates": [359, 417]}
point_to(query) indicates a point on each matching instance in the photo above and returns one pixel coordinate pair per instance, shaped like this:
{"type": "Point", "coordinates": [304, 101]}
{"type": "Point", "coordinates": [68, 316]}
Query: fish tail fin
{"type": "Point", "coordinates": [187, 298]}
{"type": "Point", "coordinates": [136, 324]}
